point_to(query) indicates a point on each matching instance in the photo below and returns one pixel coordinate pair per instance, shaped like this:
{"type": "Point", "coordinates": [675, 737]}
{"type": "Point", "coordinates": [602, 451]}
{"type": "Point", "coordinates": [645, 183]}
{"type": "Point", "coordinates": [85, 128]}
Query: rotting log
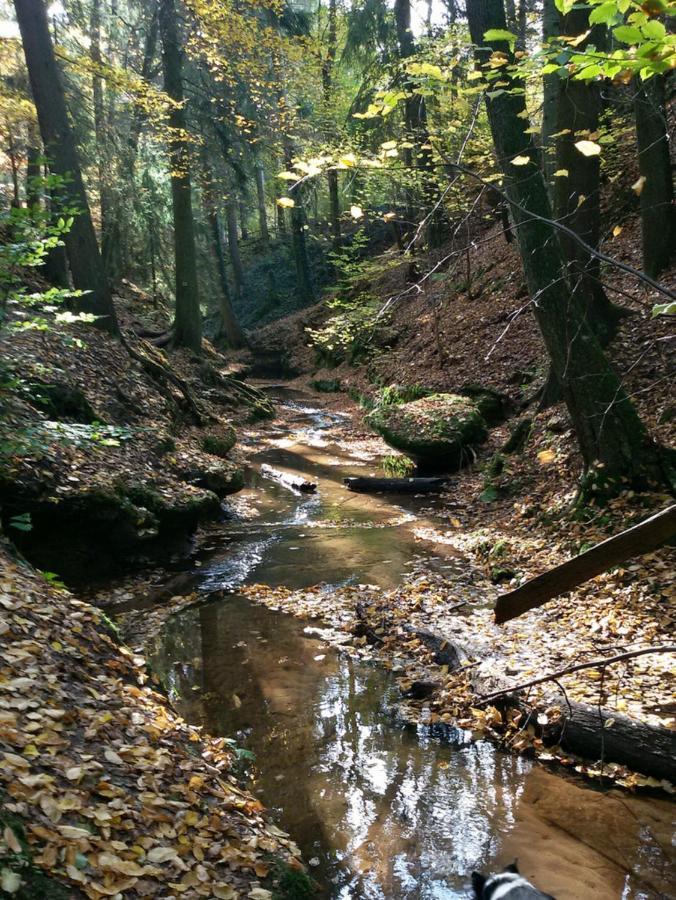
{"type": "Point", "coordinates": [367, 485]}
{"type": "Point", "coordinates": [293, 482]}
{"type": "Point", "coordinates": [639, 539]}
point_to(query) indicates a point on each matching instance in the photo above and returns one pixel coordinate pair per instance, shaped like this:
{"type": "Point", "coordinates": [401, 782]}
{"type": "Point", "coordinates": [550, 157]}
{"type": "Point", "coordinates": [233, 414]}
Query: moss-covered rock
{"type": "Point", "coordinates": [63, 402]}
{"type": "Point", "coordinates": [176, 509]}
{"type": "Point", "coordinates": [438, 432]}
{"type": "Point", "coordinates": [220, 443]}
{"type": "Point", "coordinates": [218, 476]}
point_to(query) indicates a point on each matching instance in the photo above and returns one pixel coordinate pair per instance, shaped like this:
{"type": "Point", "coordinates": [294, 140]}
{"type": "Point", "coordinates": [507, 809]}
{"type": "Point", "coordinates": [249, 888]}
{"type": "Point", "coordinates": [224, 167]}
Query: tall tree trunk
{"type": "Point", "coordinates": [577, 195]}
{"type": "Point", "coordinates": [57, 137]}
{"type": "Point", "coordinates": [658, 216]}
{"type": "Point", "coordinates": [14, 166]}
{"type": "Point", "coordinates": [100, 133]}
{"type": "Point", "coordinates": [415, 113]}
{"type": "Point", "coordinates": [327, 88]}
{"type": "Point", "coordinates": [551, 28]}
{"type": "Point", "coordinates": [244, 231]}
{"type": "Point", "coordinates": [188, 321]}
{"type": "Point", "coordinates": [608, 429]}
{"type": "Point", "coordinates": [262, 211]}
{"type": "Point", "coordinates": [233, 246]}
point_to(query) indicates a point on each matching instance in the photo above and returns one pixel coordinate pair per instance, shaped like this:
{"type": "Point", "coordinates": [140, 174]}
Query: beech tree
{"type": "Point", "coordinates": [609, 431]}
{"type": "Point", "coordinates": [188, 320]}
{"type": "Point", "coordinates": [84, 258]}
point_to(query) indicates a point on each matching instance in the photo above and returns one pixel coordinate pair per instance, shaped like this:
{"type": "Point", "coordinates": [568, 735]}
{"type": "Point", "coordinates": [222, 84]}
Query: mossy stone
{"type": "Point", "coordinates": [438, 432]}
{"type": "Point", "coordinates": [220, 443]}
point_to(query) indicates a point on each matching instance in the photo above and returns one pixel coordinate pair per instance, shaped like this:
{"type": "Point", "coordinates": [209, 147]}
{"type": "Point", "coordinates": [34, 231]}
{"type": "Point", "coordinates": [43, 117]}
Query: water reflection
{"type": "Point", "coordinates": [386, 813]}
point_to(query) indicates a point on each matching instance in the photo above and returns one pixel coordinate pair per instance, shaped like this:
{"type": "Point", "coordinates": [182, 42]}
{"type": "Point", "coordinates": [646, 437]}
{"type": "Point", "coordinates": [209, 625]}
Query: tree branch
{"type": "Point", "coordinates": [594, 664]}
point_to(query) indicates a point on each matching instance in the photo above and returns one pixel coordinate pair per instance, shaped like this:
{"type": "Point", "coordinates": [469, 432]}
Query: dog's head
{"type": "Point", "coordinates": [509, 884]}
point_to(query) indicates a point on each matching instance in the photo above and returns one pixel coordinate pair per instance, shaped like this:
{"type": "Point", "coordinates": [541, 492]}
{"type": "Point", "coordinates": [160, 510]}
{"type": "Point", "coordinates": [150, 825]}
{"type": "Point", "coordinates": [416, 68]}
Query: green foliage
{"type": "Point", "coordinates": [346, 335]}
{"type": "Point", "coordinates": [291, 884]}
{"type": "Point", "coordinates": [398, 466]}
{"type": "Point", "coordinates": [401, 393]}
{"type": "Point", "coordinates": [29, 236]}
{"type": "Point", "coordinates": [21, 522]}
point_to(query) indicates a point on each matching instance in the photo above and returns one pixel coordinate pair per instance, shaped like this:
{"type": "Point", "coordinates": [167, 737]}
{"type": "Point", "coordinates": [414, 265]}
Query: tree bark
{"type": "Point", "coordinates": [327, 85]}
{"type": "Point", "coordinates": [242, 221]}
{"type": "Point", "coordinates": [188, 320]}
{"type": "Point", "coordinates": [57, 137]}
{"type": "Point", "coordinates": [658, 216]}
{"type": "Point", "coordinates": [551, 28]}
{"type": "Point", "coordinates": [577, 195]}
{"type": "Point", "coordinates": [607, 426]}
{"type": "Point", "coordinates": [262, 210]}
{"type": "Point", "coordinates": [642, 538]}
{"type": "Point", "coordinates": [233, 246]}
{"type": "Point", "coordinates": [415, 114]}
{"type": "Point", "coordinates": [33, 167]}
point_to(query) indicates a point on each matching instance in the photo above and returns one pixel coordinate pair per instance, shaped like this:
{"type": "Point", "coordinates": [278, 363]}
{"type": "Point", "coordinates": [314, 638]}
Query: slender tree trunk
{"type": "Point", "coordinates": [658, 216]}
{"type": "Point", "coordinates": [262, 211]}
{"type": "Point", "coordinates": [33, 167]}
{"type": "Point", "coordinates": [327, 85]}
{"type": "Point", "coordinates": [14, 166]}
{"type": "Point", "coordinates": [415, 112]}
{"type": "Point", "coordinates": [100, 133]}
{"type": "Point", "coordinates": [608, 429]}
{"type": "Point", "coordinates": [188, 321]}
{"type": "Point", "coordinates": [57, 137]}
{"type": "Point", "coordinates": [244, 231]}
{"type": "Point", "coordinates": [233, 246]}
{"type": "Point", "coordinates": [577, 195]}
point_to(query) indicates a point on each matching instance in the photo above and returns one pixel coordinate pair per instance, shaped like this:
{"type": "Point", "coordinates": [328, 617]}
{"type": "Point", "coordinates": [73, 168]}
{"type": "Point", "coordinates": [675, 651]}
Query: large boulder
{"type": "Point", "coordinates": [438, 432]}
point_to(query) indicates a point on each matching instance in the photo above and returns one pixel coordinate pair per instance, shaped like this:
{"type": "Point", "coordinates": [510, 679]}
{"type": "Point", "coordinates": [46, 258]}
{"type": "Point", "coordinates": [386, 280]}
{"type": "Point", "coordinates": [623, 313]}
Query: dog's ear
{"type": "Point", "coordinates": [478, 882]}
{"type": "Point", "coordinates": [513, 867]}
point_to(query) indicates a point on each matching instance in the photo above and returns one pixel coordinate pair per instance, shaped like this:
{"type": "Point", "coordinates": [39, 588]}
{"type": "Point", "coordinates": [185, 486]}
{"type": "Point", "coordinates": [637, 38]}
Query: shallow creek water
{"type": "Point", "coordinates": [379, 810]}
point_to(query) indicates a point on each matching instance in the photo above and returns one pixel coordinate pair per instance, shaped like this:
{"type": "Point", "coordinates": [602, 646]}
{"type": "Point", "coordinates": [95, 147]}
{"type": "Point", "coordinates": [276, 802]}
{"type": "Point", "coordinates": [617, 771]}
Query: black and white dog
{"type": "Point", "coordinates": [508, 885]}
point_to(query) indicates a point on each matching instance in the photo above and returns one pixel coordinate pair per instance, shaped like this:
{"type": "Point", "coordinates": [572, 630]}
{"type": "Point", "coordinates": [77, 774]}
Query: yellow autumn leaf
{"type": "Point", "coordinates": [521, 160]}
{"type": "Point", "coordinates": [617, 230]}
{"type": "Point", "coordinates": [356, 212]}
{"type": "Point", "coordinates": [561, 173]}
{"type": "Point", "coordinates": [546, 456]}
{"type": "Point", "coordinates": [288, 176]}
{"type": "Point", "coordinates": [388, 145]}
{"type": "Point", "coordinates": [588, 148]}
{"type": "Point", "coordinates": [286, 202]}
{"type": "Point", "coordinates": [637, 186]}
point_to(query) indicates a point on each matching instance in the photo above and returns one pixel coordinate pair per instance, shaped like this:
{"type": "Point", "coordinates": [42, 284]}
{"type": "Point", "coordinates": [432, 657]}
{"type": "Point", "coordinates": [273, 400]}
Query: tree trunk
{"type": "Point", "coordinates": [188, 321]}
{"type": "Point", "coordinates": [577, 195]}
{"type": "Point", "coordinates": [242, 221]}
{"type": "Point", "coordinates": [551, 28]}
{"type": "Point", "coordinates": [262, 211]}
{"type": "Point", "coordinates": [607, 426]}
{"type": "Point", "coordinates": [57, 137]}
{"type": "Point", "coordinates": [33, 168]}
{"type": "Point", "coordinates": [233, 246]}
{"type": "Point", "coordinates": [658, 216]}
{"type": "Point", "coordinates": [230, 326]}
{"type": "Point", "coordinates": [415, 114]}
{"type": "Point", "coordinates": [101, 134]}
{"type": "Point", "coordinates": [14, 166]}
{"type": "Point", "coordinates": [327, 85]}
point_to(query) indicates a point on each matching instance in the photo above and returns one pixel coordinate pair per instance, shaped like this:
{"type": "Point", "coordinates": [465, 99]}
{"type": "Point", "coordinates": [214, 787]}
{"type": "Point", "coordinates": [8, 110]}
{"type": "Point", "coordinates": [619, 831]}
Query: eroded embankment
{"type": "Point", "coordinates": [106, 791]}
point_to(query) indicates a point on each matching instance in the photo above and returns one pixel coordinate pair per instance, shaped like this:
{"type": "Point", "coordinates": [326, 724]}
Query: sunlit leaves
{"type": "Point", "coordinates": [521, 160]}
{"type": "Point", "coordinates": [588, 148]}
{"type": "Point", "coordinates": [286, 202]}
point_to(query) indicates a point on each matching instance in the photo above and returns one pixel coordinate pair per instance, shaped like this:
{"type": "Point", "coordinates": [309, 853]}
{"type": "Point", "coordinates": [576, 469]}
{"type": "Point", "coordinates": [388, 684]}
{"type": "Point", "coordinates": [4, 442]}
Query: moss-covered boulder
{"type": "Point", "coordinates": [218, 476]}
{"type": "Point", "coordinates": [177, 508]}
{"type": "Point", "coordinates": [438, 432]}
{"type": "Point", "coordinates": [220, 442]}
{"type": "Point", "coordinates": [491, 403]}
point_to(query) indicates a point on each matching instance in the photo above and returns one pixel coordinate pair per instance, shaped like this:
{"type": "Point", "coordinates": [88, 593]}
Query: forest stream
{"type": "Point", "coordinates": [378, 809]}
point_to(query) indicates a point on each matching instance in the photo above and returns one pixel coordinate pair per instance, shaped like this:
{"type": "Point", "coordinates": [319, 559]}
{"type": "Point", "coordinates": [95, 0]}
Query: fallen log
{"type": "Point", "coordinates": [367, 485]}
{"type": "Point", "coordinates": [639, 539]}
{"type": "Point", "coordinates": [295, 483]}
